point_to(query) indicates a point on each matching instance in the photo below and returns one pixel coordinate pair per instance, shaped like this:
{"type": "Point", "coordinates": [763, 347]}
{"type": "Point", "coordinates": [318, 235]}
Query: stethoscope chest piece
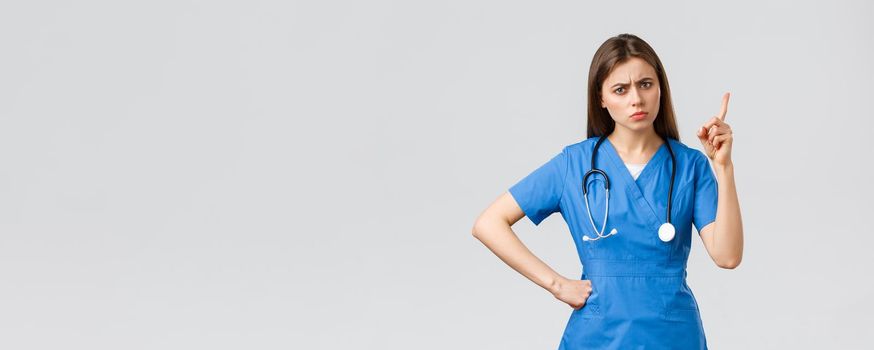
{"type": "Point", "coordinates": [666, 232]}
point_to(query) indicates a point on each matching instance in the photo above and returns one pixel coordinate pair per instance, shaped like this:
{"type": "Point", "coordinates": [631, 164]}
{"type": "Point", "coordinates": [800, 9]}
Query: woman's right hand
{"type": "Point", "coordinates": [572, 292]}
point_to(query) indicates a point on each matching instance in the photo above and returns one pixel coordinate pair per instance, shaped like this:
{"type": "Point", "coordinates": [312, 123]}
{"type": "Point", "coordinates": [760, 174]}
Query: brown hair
{"type": "Point", "coordinates": [614, 51]}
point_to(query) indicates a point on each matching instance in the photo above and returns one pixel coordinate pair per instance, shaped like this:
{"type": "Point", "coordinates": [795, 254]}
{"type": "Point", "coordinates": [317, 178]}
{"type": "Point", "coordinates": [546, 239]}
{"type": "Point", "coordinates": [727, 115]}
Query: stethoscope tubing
{"type": "Point", "coordinates": [594, 170]}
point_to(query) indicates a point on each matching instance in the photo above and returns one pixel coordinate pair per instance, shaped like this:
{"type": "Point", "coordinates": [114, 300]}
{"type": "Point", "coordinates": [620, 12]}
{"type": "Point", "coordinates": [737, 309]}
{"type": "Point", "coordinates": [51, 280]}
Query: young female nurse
{"type": "Point", "coordinates": [613, 190]}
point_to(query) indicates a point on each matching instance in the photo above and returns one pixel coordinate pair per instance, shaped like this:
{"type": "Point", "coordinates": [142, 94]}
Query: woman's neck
{"type": "Point", "coordinates": [634, 146]}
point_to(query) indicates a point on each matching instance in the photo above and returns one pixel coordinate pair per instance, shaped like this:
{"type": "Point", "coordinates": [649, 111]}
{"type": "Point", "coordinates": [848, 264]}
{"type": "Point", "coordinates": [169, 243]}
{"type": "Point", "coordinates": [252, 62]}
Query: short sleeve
{"type": "Point", "coordinates": [539, 193]}
{"type": "Point", "coordinates": [706, 193]}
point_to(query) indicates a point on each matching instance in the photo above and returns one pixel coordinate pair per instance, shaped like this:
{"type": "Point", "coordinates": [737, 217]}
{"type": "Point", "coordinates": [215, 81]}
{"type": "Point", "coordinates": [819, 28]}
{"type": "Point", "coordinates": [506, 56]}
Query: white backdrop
{"type": "Point", "coordinates": [305, 175]}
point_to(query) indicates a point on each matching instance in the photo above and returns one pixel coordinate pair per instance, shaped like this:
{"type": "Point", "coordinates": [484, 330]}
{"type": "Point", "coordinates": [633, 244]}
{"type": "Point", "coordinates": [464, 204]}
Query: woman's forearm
{"type": "Point", "coordinates": [499, 237]}
{"type": "Point", "coordinates": [728, 231]}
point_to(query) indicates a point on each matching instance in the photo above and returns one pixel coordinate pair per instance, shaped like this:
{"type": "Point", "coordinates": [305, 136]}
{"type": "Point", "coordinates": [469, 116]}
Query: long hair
{"type": "Point", "coordinates": [614, 51]}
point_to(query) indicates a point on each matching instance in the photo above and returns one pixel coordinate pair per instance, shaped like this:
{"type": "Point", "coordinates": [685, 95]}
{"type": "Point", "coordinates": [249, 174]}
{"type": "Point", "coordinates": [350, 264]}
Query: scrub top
{"type": "Point", "coordinates": [639, 297]}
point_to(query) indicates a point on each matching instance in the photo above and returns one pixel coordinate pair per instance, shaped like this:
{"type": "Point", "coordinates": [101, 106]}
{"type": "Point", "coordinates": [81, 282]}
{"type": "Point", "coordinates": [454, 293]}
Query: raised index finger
{"type": "Point", "coordinates": [724, 108]}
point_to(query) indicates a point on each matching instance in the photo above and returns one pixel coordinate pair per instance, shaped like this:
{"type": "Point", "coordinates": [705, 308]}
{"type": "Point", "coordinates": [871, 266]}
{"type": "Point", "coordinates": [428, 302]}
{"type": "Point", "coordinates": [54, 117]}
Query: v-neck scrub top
{"type": "Point", "coordinates": [639, 297]}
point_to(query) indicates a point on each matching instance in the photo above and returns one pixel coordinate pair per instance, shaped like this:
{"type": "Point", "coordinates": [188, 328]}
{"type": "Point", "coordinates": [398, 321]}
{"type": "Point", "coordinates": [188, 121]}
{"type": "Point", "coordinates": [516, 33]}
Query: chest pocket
{"type": "Point", "coordinates": [683, 204]}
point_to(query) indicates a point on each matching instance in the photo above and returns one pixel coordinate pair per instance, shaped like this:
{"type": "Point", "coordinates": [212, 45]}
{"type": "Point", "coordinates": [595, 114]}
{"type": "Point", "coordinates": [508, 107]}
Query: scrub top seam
{"type": "Point", "coordinates": [567, 166]}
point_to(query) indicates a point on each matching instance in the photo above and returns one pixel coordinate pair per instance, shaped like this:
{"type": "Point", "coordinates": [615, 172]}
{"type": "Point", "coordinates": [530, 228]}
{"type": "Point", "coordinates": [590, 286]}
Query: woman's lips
{"type": "Point", "coordinates": [639, 116]}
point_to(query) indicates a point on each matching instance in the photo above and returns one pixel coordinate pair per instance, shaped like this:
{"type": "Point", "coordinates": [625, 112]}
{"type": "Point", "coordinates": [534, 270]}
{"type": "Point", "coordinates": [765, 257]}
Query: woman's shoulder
{"type": "Point", "coordinates": [686, 153]}
{"type": "Point", "coordinates": [681, 150]}
{"type": "Point", "coordinates": [582, 146]}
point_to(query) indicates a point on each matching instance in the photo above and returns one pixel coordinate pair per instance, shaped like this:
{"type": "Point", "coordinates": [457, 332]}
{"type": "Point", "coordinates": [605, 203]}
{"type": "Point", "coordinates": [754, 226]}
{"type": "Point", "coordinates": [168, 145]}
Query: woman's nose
{"type": "Point", "coordinates": [636, 97]}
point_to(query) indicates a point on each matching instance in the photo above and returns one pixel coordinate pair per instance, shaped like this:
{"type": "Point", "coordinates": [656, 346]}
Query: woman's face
{"type": "Point", "coordinates": [632, 87]}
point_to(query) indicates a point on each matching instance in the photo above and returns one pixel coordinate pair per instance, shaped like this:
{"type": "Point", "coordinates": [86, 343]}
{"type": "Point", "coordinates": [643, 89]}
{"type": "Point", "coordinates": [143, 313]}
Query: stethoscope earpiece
{"type": "Point", "coordinates": [612, 232]}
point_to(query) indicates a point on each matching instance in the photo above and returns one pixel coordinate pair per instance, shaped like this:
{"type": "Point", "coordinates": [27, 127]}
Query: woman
{"type": "Point", "coordinates": [633, 289]}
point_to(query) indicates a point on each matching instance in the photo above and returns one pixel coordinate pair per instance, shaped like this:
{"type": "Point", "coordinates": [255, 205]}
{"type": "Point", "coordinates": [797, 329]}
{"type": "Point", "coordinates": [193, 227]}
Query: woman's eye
{"type": "Point", "coordinates": [646, 84]}
{"type": "Point", "coordinates": [619, 90]}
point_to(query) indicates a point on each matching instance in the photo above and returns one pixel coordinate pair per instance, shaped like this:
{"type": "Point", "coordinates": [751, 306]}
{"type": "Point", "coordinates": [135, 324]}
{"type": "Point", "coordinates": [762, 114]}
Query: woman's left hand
{"type": "Point", "coordinates": [715, 136]}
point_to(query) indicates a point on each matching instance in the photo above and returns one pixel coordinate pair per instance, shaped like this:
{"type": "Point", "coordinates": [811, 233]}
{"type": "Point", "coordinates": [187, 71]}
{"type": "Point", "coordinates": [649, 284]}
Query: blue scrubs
{"type": "Point", "coordinates": [639, 297]}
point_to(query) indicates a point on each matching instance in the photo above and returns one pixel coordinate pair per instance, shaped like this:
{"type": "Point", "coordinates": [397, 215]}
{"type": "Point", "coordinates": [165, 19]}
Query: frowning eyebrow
{"type": "Point", "coordinates": [626, 84]}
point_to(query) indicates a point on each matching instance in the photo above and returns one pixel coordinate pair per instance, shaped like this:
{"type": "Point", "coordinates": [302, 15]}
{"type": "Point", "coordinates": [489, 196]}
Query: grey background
{"type": "Point", "coordinates": [275, 175]}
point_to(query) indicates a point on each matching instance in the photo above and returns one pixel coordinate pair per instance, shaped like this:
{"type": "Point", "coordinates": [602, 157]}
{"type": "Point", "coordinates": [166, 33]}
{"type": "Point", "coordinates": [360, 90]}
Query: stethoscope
{"type": "Point", "coordinates": [666, 230]}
